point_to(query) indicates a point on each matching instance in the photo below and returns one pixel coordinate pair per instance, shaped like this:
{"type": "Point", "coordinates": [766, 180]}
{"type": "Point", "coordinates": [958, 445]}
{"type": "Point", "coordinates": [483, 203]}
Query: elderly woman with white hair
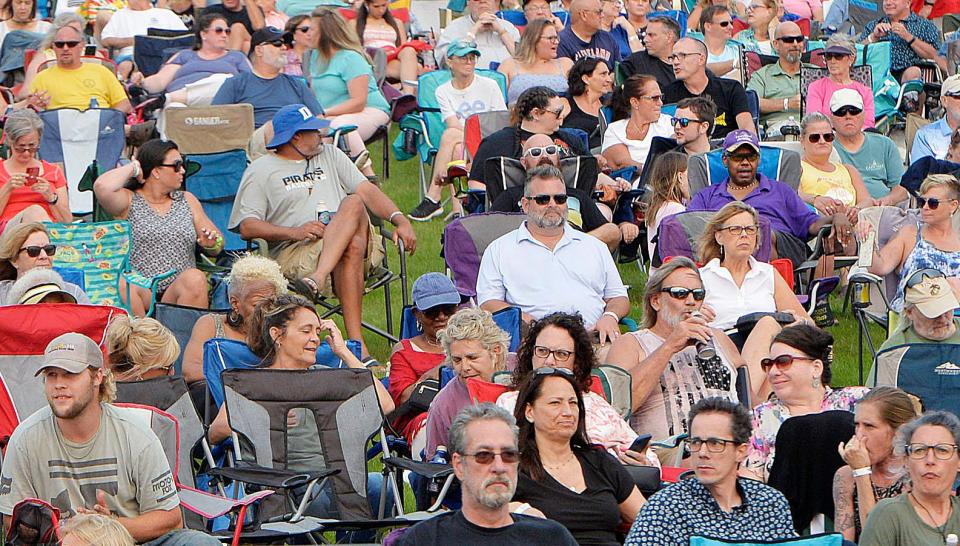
{"type": "Point", "coordinates": [252, 280]}
{"type": "Point", "coordinates": [39, 285]}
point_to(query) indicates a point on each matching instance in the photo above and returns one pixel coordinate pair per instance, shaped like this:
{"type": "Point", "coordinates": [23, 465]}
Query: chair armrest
{"type": "Point", "coordinates": [427, 470]}
{"type": "Point", "coordinates": [271, 477]}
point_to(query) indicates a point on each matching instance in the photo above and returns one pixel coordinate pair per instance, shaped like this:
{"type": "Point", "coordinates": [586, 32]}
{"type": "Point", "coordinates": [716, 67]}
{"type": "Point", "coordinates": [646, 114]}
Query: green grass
{"type": "Point", "coordinates": [402, 188]}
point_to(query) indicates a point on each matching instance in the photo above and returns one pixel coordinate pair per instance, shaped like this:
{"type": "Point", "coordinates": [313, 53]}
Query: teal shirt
{"type": "Point", "coordinates": [330, 81]}
{"type": "Point", "coordinates": [305, 7]}
{"type": "Point", "coordinates": [878, 162]}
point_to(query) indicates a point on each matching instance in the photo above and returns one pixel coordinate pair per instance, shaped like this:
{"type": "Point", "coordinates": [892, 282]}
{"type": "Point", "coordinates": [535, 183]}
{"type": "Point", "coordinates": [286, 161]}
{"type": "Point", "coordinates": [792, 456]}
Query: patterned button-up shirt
{"type": "Point", "coordinates": [901, 54]}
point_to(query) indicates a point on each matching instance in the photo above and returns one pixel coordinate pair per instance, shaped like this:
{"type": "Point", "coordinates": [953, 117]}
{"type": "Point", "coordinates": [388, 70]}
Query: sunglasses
{"type": "Point", "coordinates": [926, 273]}
{"type": "Point", "coordinates": [435, 311]}
{"type": "Point", "coordinates": [791, 39]}
{"type": "Point", "coordinates": [34, 251]}
{"type": "Point", "coordinates": [681, 293]}
{"type": "Point", "coordinates": [932, 201]}
{"type": "Point", "coordinates": [561, 355]}
{"type": "Point", "coordinates": [654, 98]}
{"type": "Point", "coordinates": [544, 199]}
{"type": "Point", "coordinates": [724, 24]}
{"type": "Point", "coordinates": [275, 43]}
{"type": "Point", "coordinates": [684, 122]}
{"type": "Point", "coordinates": [541, 150]}
{"type": "Point", "coordinates": [783, 362]}
{"type": "Point", "coordinates": [304, 29]}
{"type": "Point", "coordinates": [815, 137]}
{"type": "Point", "coordinates": [176, 165]}
{"type": "Point", "coordinates": [508, 456]}
{"type": "Point", "coordinates": [740, 158]}
{"type": "Point", "coordinates": [222, 30]}
{"type": "Point", "coordinates": [66, 44]}
{"type": "Point", "coordinates": [848, 111]}
{"type": "Point", "coordinates": [833, 56]}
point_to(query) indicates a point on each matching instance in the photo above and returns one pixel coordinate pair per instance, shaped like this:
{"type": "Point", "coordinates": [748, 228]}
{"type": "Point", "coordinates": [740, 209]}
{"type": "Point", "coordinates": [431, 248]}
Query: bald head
{"type": "Point", "coordinates": [586, 14]}
{"type": "Point", "coordinates": [540, 141]}
{"type": "Point", "coordinates": [788, 41]}
{"type": "Point", "coordinates": [787, 28]}
{"type": "Point", "coordinates": [692, 44]}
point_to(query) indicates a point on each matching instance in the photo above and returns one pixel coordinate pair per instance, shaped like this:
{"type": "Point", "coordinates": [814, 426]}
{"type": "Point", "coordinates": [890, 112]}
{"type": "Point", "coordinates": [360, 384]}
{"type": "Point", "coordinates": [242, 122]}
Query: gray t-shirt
{"type": "Point", "coordinates": [878, 162]}
{"type": "Point", "coordinates": [285, 192]}
{"type": "Point", "coordinates": [124, 459]}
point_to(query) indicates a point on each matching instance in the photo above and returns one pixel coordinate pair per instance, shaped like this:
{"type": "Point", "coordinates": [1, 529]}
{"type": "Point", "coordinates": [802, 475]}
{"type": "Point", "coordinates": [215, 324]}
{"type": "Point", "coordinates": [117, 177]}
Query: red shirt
{"type": "Point", "coordinates": [24, 196]}
{"type": "Point", "coordinates": [407, 365]}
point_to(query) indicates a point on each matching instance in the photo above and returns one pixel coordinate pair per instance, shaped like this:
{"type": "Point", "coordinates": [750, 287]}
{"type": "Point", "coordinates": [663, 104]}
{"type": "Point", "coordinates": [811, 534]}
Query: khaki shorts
{"type": "Point", "coordinates": [300, 259]}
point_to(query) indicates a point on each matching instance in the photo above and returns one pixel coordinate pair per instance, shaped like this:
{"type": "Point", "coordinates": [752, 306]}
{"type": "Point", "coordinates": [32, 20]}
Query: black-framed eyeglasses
{"type": "Point", "coordinates": [560, 355]}
{"type": "Point", "coordinates": [714, 445]}
{"type": "Point", "coordinates": [932, 201]}
{"type": "Point", "coordinates": [845, 111]}
{"type": "Point", "coordinates": [177, 165]}
{"type": "Point", "coordinates": [543, 199]}
{"type": "Point", "coordinates": [66, 44]}
{"type": "Point", "coordinates": [926, 273]}
{"type": "Point", "coordinates": [681, 293]}
{"type": "Point", "coordinates": [681, 55]}
{"type": "Point", "coordinates": [684, 122]}
{"type": "Point", "coordinates": [791, 39]}
{"type": "Point", "coordinates": [782, 362]}
{"type": "Point", "coordinates": [537, 151]}
{"type": "Point", "coordinates": [814, 138]}
{"type": "Point", "coordinates": [34, 251]}
{"type": "Point", "coordinates": [740, 230]}
{"type": "Point", "coordinates": [508, 456]}
{"type": "Point", "coordinates": [941, 451]}
{"type": "Point", "coordinates": [435, 311]}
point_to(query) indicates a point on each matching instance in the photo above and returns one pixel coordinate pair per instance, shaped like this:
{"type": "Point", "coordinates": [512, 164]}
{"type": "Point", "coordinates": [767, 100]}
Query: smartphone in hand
{"type": "Point", "coordinates": [32, 174]}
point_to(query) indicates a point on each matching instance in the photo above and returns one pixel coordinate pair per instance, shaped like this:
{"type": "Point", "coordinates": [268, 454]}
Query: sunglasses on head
{"type": "Point", "coordinates": [543, 199]}
{"type": "Point", "coordinates": [782, 362]}
{"type": "Point", "coordinates": [34, 251]}
{"type": "Point", "coordinates": [848, 111]}
{"type": "Point", "coordinates": [434, 312]}
{"type": "Point", "coordinates": [815, 137]}
{"type": "Point", "coordinates": [66, 44]}
{"type": "Point", "coordinates": [537, 151]}
{"type": "Point", "coordinates": [222, 30]}
{"type": "Point", "coordinates": [932, 201]}
{"type": "Point", "coordinates": [508, 456]}
{"type": "Point", "coordinates": [684, 122]}
{"type": "Point", "coordinates": [681, 293]}
{"type": "Point", "coordinates": [791, 39]}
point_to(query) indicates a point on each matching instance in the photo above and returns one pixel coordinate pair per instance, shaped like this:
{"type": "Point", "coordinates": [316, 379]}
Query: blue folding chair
{"type": "Point", "coordinates": [775, 163]}
{"type": "Point", "coordinates": [514, 17]}
{"type": "Point", "coordinates": [215, 185]}
{"type": "Point", "coordinates": [508, 320]}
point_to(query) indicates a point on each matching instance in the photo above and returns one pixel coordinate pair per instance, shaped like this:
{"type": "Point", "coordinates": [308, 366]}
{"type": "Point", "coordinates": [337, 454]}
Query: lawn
{"type": "Point", "coordinates": [402, 188]}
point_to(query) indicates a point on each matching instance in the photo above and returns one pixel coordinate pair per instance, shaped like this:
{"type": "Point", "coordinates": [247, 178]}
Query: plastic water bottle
{"type": "Point", "coordinates": [952, 540]}
{"type": "Point", "coordinates": [323, 213]}
{"type": "Point", "coordinates": [440, 457]}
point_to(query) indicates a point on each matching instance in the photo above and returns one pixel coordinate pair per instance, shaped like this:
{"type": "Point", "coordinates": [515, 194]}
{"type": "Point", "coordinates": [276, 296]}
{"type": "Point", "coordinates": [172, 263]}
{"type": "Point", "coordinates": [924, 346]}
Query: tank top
{"type": "Point", "coordinates": [924, 255]}
{"type": "Point", "coordinates": [521, 82]}
{"type": "Point", "coordinates": [162, 242]}
{"type": "Point", "coordinates": [837, 185]}
{"type": "Point", "coordinates": [578, 119]}
{"type": "Point", "coordinates": [379, 38]}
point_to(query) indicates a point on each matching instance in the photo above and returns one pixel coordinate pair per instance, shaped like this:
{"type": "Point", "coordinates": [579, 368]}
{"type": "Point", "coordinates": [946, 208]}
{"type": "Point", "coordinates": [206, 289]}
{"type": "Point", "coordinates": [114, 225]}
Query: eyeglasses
{"type": "Point", "coordinates": [684, 122]}
{"type": "Point", "coordinates": [756, 6]}
{"type": "Point", "coordinates": [932, 201]}
{"type": "Point", "coordinates": [681, 55]}
{"type": "Point", "coordinates": [22, 149]}
{"type": "Point", "coordinates": [66, 44]}
{"type": "Point", "coordinates": [814, 138]}
{"type": "Point", "coordinates": [791, 39]}
{"type": "Point", "coordinates": [221, 30]}
{"type": "Point", "coordinates": [740, 158]}
{"type": "Point", "coordinates": [543, 199]}
{"type": "Point", "coordinates": [554, 39]}
{"type": "Point", "coordinates": [304, 29]}
{"type": "Point", "coordinates": [740, 230]}
{"type": "Point", "coordinates": [434, 312]}
{"type": "Point", "coordinates": [848, 111]}
{"type": "Point", "coordinates": [34, 251]}
{"type": "Point", "coordinates": [654, 98]}
{"type": "Point", "coordinates": [558, 112]}
{"type": "Point", "coordinates": [177, 165]}
{"type": "Point", "coordinates": [508, 456]}
{"type": "Point", "coordinates": [681, 293]}
{"type": "Point", "coordinates": [537, 151]}
{"type": "Point", "coordinates": [561, 355]}
{"type": "Point", "coordinates": [833, 56]}
{"type": "Point", "coordinates": [714, 445]}
{"type": "Point", "coordinates": [926, 273]}
{"type": "Point", "coordinates": [782, 362]}
{"type": "Point", "coordinates": [940, 451]}
{"type": "Point", "coordinates": [723, 24]}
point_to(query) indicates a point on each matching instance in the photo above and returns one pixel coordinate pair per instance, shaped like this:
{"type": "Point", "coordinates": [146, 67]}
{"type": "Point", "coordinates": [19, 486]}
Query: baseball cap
{"type": "Point", "coordinates": [845, 97]}
{"type": "Point", "coordinates": [433, 289]}
{"type": "Point", "coordinates": [932, 295]}
{"type": "Point", "coordinates": [36, 294]}
{"type": "Point", "coordinates": [269, 34]}
{"type": "Point", "coordinates": [951, 86]}
{"type": "Point", "coordinates": [741, 137]}
{"type": "Point", "coordinates": [72, 352]}
{"type": "Point", "coordinates": [462, 48]}
{"type": "Point", "coordinates": [292, 119]}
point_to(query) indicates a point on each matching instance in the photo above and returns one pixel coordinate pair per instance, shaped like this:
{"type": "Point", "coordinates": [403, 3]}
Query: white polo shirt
{"type": "Point", "coordinates": [731, 301]}
{"type": "Point", "coordinates": [575, 277]}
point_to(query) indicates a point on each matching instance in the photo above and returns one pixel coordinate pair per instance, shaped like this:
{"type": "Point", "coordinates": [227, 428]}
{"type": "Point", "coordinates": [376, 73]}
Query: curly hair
{"type": "Point", "coordinates": [253, 267]}
{"type": "Point", "coordinates": [275, 312]}
{"type": "Point", "coordinates": [475, 324]}
{"type": "Point", "coordinates": [584, 357]}
{"type": "Point", "coordinates": [811, 341]}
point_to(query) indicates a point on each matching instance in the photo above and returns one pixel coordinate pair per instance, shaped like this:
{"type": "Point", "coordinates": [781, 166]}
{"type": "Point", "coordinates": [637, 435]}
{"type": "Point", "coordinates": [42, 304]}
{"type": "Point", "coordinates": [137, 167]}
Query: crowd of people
{"type": "Point", "coordinates": [731, 371]}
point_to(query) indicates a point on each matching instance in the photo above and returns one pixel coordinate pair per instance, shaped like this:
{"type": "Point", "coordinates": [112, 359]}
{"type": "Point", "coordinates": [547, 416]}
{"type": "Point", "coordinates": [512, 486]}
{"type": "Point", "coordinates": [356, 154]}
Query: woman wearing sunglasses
{"type": "Point", "coordinates": [300, 27]}
{"type": "Point", "coordinates": [932, 244]}
{"type": "Point", "coordinates": [562, 475]}
{"type": "Point", "coordinates": [840, 54]}
{"type": "Point", "coordinates": [140, 348]}
{"type": "Point", "coordinates": [930, 512]}
{"type": "Point", "coordinates": [25, 247]}
{"type": "Point", "coordinates": [636, 120]}
{"type": "Point", "coordinates": [166, 223]}
{"type": "Point", "coordinates": [31, 190]}
{"type": "Point", "coordinates": [798, 370]}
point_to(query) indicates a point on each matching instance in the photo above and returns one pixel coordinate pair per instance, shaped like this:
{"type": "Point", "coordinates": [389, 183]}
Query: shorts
{"type": "Point", "coordinates": [299, 259]}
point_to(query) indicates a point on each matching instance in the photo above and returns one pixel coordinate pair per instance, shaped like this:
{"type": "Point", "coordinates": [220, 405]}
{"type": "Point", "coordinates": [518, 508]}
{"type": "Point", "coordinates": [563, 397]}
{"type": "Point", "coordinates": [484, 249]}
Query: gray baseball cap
{"type": "Point", "coordinates": [72, 352]}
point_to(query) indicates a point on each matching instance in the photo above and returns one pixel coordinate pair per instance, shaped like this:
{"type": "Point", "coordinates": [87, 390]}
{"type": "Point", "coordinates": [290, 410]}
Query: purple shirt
{"type": "Point", "coordinates": [452, 398]}
{"type": "Point", "coordinates": [773, 199]}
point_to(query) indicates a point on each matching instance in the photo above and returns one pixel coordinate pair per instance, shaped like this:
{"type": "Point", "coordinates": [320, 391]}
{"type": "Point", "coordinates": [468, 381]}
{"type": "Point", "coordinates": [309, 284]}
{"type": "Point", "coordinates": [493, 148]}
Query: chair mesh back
{"type": "Point", "coordinates": [180, 321]}
{"type": "Point", "coordinates": [617, 386]}
{"type": "Point", "coordinates": [465, 239]}
{"type": "Point", "coordinates": [347, 413]}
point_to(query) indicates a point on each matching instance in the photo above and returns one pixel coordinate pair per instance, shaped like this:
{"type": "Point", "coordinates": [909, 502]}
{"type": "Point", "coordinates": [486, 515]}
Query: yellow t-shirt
{"type": "Point", "coordinates": [75, 88]}
{"type": "Point", "coordinates": [837, 185]}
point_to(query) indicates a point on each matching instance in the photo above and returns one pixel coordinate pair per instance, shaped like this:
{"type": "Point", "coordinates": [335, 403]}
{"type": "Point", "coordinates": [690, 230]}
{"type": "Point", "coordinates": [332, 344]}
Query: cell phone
{"type": "Point", "coordinates": [90, 50]}
{"type": "Point", "coordinates": [32, 174]}
{"type": "Point", "coordinates": [640, 443]}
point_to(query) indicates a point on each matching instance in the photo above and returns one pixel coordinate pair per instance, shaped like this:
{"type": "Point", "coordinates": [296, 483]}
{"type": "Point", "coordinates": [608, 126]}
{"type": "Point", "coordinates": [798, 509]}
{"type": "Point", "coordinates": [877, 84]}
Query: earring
{"type": "Point", "coordinates": [419, 327]}
{"type": "Point", "coordinates": [815, 382]}
{"type": "Point", "coordinates": [721, 252]}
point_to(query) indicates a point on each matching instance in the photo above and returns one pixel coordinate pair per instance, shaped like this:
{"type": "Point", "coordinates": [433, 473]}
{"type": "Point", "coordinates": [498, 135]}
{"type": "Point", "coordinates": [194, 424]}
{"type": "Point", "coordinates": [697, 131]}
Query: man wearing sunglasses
{"type": "Point", "coordinates": [692, 124]}
{"type": "Point", "coordinates": [716, 503]}
{"type": "Point", "coordinates": [778, 84]}
{"type": "Point", "coordinates": [933, 140]}
{"type": "Point", "coordinates": [546, 266]}
{"type": "Point", "coordinates": [495, 38]}
{"type": "Point", "coordinates": [485, 458]}
{"type": "Point", "coordinates": [73, 83]}
{"type": "Point", "coordinates": [584, 36]}
{"type": "Point", "coordinates": [929, 304]}
{"type": "Point", "coordinates": [723, 57]}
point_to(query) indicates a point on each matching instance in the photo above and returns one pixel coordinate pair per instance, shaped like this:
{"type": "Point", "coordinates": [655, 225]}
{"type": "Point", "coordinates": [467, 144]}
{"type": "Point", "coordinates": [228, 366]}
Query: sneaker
{"type": "Point", "coordinates": [426, 210]}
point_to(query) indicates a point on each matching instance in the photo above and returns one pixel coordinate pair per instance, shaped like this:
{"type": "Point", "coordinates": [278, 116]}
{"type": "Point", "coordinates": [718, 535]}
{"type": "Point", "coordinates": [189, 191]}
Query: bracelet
{"type": "Point", "coordinates": [136, 168]}
{"type": "Point", "coordinates": [522, 508]}
{"type": "Point", "coordinates": [859, 472]}
{"type": "Point", "coordinates": [611, 314]}
{"type": "Point", "coordinates": [393, 215]}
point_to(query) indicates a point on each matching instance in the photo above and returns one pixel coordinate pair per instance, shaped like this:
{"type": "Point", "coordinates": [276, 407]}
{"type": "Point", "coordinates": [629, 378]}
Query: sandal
{"type": "Point", "coordinates": [308, 288]}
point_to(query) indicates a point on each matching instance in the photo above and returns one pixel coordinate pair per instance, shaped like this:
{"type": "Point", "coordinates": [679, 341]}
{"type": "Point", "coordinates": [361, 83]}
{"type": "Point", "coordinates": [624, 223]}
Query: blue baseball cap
{"type": "Point", "coordinates": [433, 289]}
{"type": "Point", "coordinates": [741, 137]}
{"type": "Point", "coordinates": [292, 119]}
{"type": "Point", "coordinates": [462, 48]}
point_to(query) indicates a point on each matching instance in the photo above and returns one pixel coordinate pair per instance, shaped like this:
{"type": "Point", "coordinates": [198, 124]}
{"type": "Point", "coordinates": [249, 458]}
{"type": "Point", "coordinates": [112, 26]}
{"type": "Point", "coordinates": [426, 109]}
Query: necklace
{"type": "Point", "coordinates": [561, 465]}
{"type": "Point", "coordinates": [747, 187]}
{"type": "Point", "coordinates": [942, 529]}
{"type": "Point", "coordinates": [434, 342]}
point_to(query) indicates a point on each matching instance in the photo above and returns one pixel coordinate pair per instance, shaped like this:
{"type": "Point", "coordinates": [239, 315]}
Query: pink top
{"type": "Point", "coordinates": [801, 8]}
{"type": "Point", "coordinates": [820, 92]}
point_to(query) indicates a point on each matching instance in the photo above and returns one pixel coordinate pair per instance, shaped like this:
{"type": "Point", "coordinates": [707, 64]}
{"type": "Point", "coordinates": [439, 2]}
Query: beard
{"type": "Point", "coordinates": [792, 57]}
{"type": "Point", "coordinates": [80, 403]}
{"type": "Point", "coordinates": [557, 220]}
{"type": "Point", "coordinates": [496, 500]}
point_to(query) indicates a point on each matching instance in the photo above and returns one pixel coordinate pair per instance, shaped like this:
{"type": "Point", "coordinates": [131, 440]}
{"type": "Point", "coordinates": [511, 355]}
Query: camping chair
{"type": "Point", "coordinates": [617, 386]}
{"type": "Point", "coordinates": [503, 173]}
{"type": "Point", "coordinates": [679, 235]}
{"type": "Point", "coordinates": [913, 124]}
{"type": "Point", "coordinates": [831, 539]}
{"type": "Point", "coordinates": [74, 139]}
{"type": "Point", "coordinates": [216, 185]}
{"type": "Point", "coordinates": [707, 169]}
{"type": "Point", "coordinates": [925, 370]}
{"type": "Point", "coordinates": [12, 54]}
{"type": "Point", "coordinates": [465, 240]}
{"type": "Point", "coordinates": [180, 320]}
{"type": "Point", "coordinates": [209, 129]}
{"type": "Point", "coordinates": [751, 61]}
{"type": "Point", "coordinates": [157, 47]}
{"type": "Point", "coordinates": [102, 251]}
{"type": "Point", "coordinates": [508, 319]}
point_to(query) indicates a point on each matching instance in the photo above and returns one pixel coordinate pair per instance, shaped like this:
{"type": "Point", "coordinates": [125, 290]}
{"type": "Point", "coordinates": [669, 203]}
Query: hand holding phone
{"type": "Point", "coordinates": [32, 174]}
{"type": "Point", "coordinates": [640, 443]}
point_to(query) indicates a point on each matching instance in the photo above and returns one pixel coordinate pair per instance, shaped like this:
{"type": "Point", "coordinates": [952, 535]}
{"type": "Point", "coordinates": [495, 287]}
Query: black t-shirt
{"type": "Point", "coordinates": [188, 16]}
{"type": "Point", "coordinates": [232, 17]}
{"type": "Point", "coordinates": [453, 528]}
{"type": "Point", "coordinates": [504, 143]}
{"type": "Point", "coordinates": [591, 516]}
{"type": "Point", "coordinates": [728, 95]}
{"type": "Point", "coordinates": [509, 201]}
{"type": "Point", "coordinates": [642, 63]}
{"type": "Point", "coordinates": [588, 123]}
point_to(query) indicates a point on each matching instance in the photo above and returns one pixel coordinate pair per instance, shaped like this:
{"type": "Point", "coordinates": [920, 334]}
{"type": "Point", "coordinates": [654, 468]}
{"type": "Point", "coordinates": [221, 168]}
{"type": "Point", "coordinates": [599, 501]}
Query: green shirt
{"type": "Point", "coordinates": [771, 82]}
{"type": "Point", "coordinates": [878, 162]}
{"type": "Point", "coordinates": [894, 522]}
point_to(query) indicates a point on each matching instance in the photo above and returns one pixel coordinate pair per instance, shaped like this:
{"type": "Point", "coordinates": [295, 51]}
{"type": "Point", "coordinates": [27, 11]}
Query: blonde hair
{"type": "Point", "coordinates": [252, 267]}
{"type": "Point", "coordinates": [334, 34]}
{"type": "Point", "coordinates": [143, 343]}
{"type": "Point", "coordinates": [10, 245]}
{"type": "Point", "coordinates": [709, 247]}
{"type": "Point", "coordinates": [97, 529]}
{"type": "Point", "coordinates": [527, 48]}
{"type": "Point", "coordinates": [475, 324]}
{"type": "Point", "coordinates": [930, 182]}
{"type": "Point", "coordinates": [108, 388]}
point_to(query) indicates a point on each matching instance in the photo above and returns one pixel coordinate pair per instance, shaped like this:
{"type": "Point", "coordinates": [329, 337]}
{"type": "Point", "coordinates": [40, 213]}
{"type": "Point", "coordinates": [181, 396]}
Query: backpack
{"type": "Point", "coordinates": [34, 522]}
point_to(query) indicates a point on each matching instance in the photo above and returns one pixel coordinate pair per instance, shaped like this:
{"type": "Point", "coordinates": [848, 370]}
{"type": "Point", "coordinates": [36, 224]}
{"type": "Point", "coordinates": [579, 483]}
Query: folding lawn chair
{"type": "Point", "coordinates": [180, 320]}
{"type": "Point", "coordinates": [464, 241]}
{"type": "Point", "coordinates": [508, 319]}
{"type": "Point", "coordinates": [830, 539]}
{"type": "Point", "coordinates": [209, 129]}
{"type": "Point", "coordinates": [156, 48]}
{"type": "Point", "coordinates": [617, 388]}
{"type": "Point", "coordinates": [707, 169]}
{"type": "Point", "coordinates": [215, 185]}
{"type": "Point", "coordinates": [12, 54]}
{"type": "Point", "coordinates": [929, 371]}
{"type": "Point", "coordinates": [503, 173]}
{"type": "Point", "coordinates": [808, 74]}
{"type": "Point", "coordinates": [679, 235]}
